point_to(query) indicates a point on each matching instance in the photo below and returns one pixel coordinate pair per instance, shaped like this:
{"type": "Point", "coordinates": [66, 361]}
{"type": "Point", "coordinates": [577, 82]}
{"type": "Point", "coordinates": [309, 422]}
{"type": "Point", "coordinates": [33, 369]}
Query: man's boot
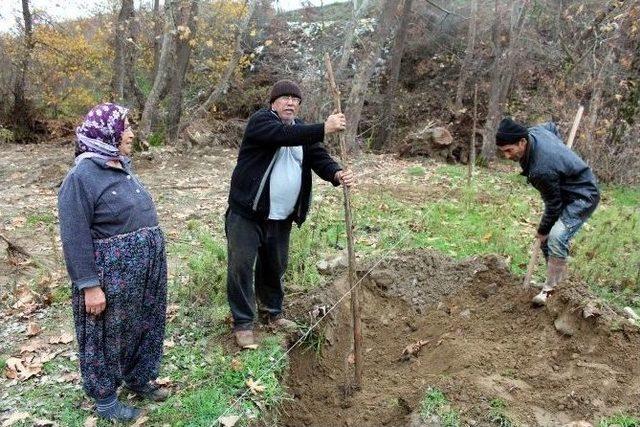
{"type": "Point", "coordinates": [244, 339]}
{"type": "Point", "coordinates": [556, 269]}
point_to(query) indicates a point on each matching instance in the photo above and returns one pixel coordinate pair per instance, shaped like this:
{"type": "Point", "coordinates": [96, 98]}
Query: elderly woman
{"type": "Point", "coordinates": [115, 256]}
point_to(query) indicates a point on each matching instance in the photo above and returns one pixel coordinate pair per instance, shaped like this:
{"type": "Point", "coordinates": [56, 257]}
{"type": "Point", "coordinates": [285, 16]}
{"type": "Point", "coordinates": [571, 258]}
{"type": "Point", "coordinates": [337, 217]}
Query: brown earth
{"type": "Point", "coordinates": [485, 342]}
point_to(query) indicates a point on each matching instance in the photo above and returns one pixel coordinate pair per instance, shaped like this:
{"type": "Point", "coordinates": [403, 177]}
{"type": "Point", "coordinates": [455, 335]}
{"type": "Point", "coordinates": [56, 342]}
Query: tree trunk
{"type": "Point", "coordinates": [165, 68]}
{"type": "Point", "coordinates": [350, 34]}
{"type": "Point", "coordinates": [21, 112]}
{"type": "Point", "coordinates": [124, 88]}
{"type": "Point", "coordinates": [223, 85]}
{"type": "Point", "coordinates": [386, 116]}
{"type": "Point", "coordinates": [183, 52]}
{"type": "Point", "coordinates": [365, 70]}
{"type": "Point", "coordinates": [157, 35]}
{"type": "Point", "coordinates": [120, 40]}
{"type": "Point", "coordinates": [502, 74]}
{"type": "Point", "coordinates": [468, 57]}
{"type": "Point", "coordinates": [594, 105]}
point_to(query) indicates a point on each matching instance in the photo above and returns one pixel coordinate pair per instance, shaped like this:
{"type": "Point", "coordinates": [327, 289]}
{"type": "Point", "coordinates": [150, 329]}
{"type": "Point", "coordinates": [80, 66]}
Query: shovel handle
{"type": "Point", "coordinates": [533, 262]}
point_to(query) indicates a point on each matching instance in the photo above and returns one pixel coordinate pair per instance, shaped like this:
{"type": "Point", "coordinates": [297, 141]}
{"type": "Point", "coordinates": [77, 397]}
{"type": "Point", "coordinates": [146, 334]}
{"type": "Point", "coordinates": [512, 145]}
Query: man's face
{"type": "Point", "coordinates": [514, 151]}
{"type": "Point", "coordinates": [287, 108]}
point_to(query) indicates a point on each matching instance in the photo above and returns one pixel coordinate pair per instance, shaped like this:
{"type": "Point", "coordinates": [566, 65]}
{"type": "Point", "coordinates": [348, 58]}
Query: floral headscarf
{"type": "Point", "coordinates": [101, 132]}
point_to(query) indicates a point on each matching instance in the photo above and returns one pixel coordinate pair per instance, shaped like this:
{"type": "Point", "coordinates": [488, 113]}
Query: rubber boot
{"type": "Point", "coordinates": [556, 269]}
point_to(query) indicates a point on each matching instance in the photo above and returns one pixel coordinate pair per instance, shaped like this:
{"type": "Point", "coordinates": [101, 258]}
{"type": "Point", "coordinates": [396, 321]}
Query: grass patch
{"type": "Point", "coordinates": [221, 381]}
{"type": "Point", "coordinates": [498, 214]}
{"type": "Point", "coordinates": [44, 218]}
{"type": "Point", "coordinates": [435, 403]}
{"type": "Point", "coordinates": [497, 414]}
{"type": "Point", "coordinates": [606, 254]}
{"type": "Point", "coordinates": [620, 420]}
{"type": "Point", "coordinates": [61, 403]}
{"type": "Point", "coordinates": [416, 171]}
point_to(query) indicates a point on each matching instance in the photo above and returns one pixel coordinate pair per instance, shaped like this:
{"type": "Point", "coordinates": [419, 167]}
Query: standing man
{"type": "Point", "coordinates": [567, 185]}
{"type": "Point", "coordinates": [270, 189]}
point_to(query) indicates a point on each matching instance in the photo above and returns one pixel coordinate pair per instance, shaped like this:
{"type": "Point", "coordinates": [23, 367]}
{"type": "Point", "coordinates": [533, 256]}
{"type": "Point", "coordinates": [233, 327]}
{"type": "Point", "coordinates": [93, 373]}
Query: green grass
{"type": "Point", "coordinates": [416, 171]}
{"type": "Point", "coordinates": [497, 215]}
{"type": "Point", "coordinates": [220, 381]}
{"type": "Point", "coordinates": [497, 414]}
{"type": "Point", "coordinates": [44, 218]}
{"type": "Point", "coordinates": [620, 420]}
{"type": "Point", "coordinates": [606, 254]}
{"type": "Point", "coordinates": [436, 403]}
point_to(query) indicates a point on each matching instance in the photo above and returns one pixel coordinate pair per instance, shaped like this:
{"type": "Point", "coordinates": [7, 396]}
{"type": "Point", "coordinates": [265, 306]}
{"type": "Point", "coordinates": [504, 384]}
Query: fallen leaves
{"type": "Point", "coordinates": [169, 343]}
{"type": "Point", "coordinates": [254, 386]}
{"type": "Point", "coordinates": [44, 423]}
{"type": "Point", "coordinates": [33, 329]}
{"type": "Point", "coordinates": [164, 382]}
{"type": "Point", "coordinates": [14, 418]}
{"type": "Point", "coordinates": [70, 377]}
{"type": "Point", "coordinates": [16, 370]}
{"type": "Point", "coordinates": [412, 350]}
{"type": "Point", "coordinates": [29, 366]}
{"type": "Point", "coordinates": [64, 338]}
{"type": "Point", "coordinates": [91, 422]}
{"type": "Point", "coordinates": [236, 364]}
{"type": "Point", "coordinates": [32, 346]}
{"type": "Point", "coordinates": [228, 421]}
{"type": "Point", "coordinates": [140, 421]}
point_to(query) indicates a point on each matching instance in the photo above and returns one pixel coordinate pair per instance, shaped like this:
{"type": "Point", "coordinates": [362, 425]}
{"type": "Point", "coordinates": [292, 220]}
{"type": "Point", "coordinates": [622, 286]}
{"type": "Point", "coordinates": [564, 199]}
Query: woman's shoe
{"type": "Point", "coordinates": [117, 411]}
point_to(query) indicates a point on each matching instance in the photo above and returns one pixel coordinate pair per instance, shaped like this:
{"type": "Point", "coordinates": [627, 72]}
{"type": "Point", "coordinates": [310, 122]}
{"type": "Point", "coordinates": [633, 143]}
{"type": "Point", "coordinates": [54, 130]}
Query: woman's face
{"type": "Point", "coordinates": [126, 144]}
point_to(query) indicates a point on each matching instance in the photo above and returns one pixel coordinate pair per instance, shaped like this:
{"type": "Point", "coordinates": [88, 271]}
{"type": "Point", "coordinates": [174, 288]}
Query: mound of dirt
{"type": "Point", "coordinates": [481, 340]}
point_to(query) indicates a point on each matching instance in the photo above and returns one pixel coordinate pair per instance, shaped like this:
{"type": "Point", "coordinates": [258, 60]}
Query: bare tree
{"type": "Point", "coordinates": [386, 116]}
{"type": "Point", "coordinates": [223, 85]}
{"type": "Point", "coordinates": [596, 101]}
{"type": "Point", "coordinates": [123, 82]}
{"type": "Point", "coordinates": [505, 53]}
{"type": "Point", "coordinates": [165, 68]}
{"type": "Point", "coordinates": [468, 56]}
{"type": "Point", "coordinates": [120, 40]}
{"type": "Point", "coordinates": [359, 11]}
{"type": "Point", "coordinates": [157, 35]}
{"type": "Point", "coordinates": [21, 111]}
{"type": "Point", "coordinates": [183, 53]}
{"type": "Point", "coordinates": [365, 69]}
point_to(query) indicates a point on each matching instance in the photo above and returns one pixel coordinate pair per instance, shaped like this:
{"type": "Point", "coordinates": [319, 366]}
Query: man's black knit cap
{"type": "Point", "coordinates": [284, 87]}
{"type": "Point", "coordinates": [510, 132]}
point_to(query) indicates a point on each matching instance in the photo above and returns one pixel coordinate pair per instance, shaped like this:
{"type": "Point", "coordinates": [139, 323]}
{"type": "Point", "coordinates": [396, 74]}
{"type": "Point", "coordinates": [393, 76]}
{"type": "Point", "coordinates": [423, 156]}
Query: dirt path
{"type": "Point", "coordinates": [483, 342]}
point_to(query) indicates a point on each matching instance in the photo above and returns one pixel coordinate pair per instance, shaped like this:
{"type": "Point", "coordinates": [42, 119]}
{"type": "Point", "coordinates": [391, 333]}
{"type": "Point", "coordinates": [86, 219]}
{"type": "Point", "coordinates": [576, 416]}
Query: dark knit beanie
{"type": "Point", "coordinates": [284, 87]}
{"type": "Point", "coordinates": [510, 132]}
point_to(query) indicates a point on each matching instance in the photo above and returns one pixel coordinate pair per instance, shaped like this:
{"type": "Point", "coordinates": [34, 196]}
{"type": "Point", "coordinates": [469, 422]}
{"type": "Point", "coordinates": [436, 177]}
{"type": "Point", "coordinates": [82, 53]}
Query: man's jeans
{"type": "Point", "coordinates": [570, 221]}
{"type": "Point", "coordinates": [258, 252]}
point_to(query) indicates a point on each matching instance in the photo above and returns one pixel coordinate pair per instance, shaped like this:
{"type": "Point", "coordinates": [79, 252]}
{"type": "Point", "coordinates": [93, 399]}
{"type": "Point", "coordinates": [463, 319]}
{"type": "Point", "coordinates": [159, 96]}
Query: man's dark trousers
{"type": "Point", "coordinates": [265, 246]}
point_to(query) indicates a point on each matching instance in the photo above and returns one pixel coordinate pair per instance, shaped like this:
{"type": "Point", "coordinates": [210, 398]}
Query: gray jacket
{"type": "Point", "coordinates": [567, 185]}
{"type": "Point", "coordinates": [97, 201]}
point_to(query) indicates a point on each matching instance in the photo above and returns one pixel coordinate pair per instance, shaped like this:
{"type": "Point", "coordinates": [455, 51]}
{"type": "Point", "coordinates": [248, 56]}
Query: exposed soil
{"type": "Point", "coordinates": [485, 342]}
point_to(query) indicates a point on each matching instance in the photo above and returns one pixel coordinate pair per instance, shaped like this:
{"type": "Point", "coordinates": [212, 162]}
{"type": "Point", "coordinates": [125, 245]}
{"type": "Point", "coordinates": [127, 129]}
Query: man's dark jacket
{"type": "Point", "coordinates": [265, 133]}
{"type": "Point", "coordinates": [567, 185]}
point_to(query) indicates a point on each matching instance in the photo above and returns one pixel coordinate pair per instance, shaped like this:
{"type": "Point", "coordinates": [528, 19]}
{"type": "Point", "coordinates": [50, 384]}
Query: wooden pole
{"type": "Point", "coordinates": [472, 143]}
{"type": "Point", "coordinates": [535, 253]}
{"type": "Point", "coordinates": [355, 301]}
{"type": "Point", "coordinates": [574, 128]}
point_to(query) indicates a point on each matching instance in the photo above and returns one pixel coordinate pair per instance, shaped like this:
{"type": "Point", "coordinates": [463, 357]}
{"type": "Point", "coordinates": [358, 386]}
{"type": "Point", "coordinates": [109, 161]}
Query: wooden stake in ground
{"type": "Point", "coordinates": [355, 302]}
{"type": "Point", "coordinates": [535, 252]}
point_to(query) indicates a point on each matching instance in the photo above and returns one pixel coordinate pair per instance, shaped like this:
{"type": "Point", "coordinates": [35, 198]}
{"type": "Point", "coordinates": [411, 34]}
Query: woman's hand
{"type": "Point", "coordinates": [94, 300]}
